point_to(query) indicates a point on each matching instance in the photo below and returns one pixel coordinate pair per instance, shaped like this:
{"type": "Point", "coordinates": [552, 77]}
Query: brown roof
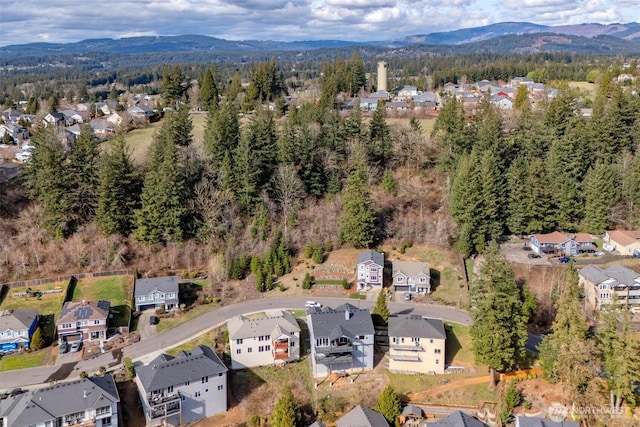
{"type": "Point", "coordinates": [555, 237]}
{"type": "Point", "coordinates": [624, 237]}
{"type": "Point", "coordinates": [583, 237]}
{"type": "Point", "coordinates": [73, 311]}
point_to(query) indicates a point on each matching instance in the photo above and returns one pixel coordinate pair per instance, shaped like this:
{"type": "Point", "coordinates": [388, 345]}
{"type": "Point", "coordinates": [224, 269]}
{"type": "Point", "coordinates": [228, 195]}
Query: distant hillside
{"type": "Point", "coordinates": [630, 31]}
{"type": "Point", "coordinates": [506, 38]}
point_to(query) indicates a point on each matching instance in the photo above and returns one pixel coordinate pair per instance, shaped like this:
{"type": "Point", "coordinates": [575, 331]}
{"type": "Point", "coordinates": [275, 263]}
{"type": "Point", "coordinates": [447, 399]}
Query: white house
{"type": "Point", "coordinates": [616, 284]}
{"type": "Point", "coordinates": [409, 276]}
{"type": "Point", "coordinates": [89, 401]}
{"type": "Point", "coordinates": [341, 339]}
{"type": "Point", "coordinates": [370, 270]}
{"type": "Point", "coordinates": [182, 389]}
{"type": "Point", "coordinates": [17, 328]}
{"type": "Point", "coordinates": [416, 345]}
{"type": "Point", "coordinates": [156, 292]}
{"type": "Point", "coordinates": [269, 339]}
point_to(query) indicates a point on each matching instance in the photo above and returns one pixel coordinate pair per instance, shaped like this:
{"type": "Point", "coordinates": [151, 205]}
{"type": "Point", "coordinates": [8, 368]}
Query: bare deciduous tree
{"type": "Point", "coordinates": [288, 190]}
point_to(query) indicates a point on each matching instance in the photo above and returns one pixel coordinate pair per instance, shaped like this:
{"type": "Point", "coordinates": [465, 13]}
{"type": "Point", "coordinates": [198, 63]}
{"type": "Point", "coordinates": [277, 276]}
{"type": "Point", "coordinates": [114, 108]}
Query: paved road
{"type": "Point", "coordinates": [146, 350]}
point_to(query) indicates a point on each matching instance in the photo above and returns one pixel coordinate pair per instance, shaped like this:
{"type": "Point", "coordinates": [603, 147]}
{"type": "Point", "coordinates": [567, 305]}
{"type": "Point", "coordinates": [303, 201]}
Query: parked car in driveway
{"type": "Point", "coordinates": [564, 259]}
{"type": "Point", "coordinates": [154, 320]}
{"type": "Point", "coordinates": [533, 255]}
{"type": "Point", "coordinates": [407, 296]}
{"type": "Point", "coordinates": [64, 347]}
{"type": "Point", "coordinates": [76, 346]}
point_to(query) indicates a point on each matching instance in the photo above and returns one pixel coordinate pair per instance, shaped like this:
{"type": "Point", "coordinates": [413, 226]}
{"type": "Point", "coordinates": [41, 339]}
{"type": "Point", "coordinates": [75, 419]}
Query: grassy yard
{"type": "Point", "coordinates": [140, 139]}
{"type": "Point", "coordinates": [458, 345]}
{"type": "Point", "coordinates": [48, 304]}
{"type": "Point", "coordinates": [22, 360]}
{"type": "Point", "coordinates": [204, 339]}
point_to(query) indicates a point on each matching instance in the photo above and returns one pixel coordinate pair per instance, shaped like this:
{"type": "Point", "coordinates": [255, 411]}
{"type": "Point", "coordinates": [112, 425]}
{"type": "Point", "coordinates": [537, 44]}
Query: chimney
{"type": "Point", "coordinates": [84, 393]}
{"type": "Point", "coordinates": [347, 314]}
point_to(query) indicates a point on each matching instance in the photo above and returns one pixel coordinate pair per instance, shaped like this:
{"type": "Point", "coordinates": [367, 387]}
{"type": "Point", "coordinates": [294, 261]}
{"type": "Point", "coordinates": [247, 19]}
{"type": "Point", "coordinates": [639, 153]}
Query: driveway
{"type": "Point", "coordinates": [145, 329]}
{"type": "Point", "coordinates": [514, 252]}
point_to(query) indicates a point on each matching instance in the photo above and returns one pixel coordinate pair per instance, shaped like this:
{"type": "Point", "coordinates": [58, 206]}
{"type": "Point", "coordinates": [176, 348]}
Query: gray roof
{"type": "Point", "coordinates": [361, 416]}
{"type": "Point", "coordinates": [622, 274]}
{"type": "Point", "coordinates": [165, 370]}
{"type": "Point", "coordinates": [162, 284]}
{"type": "Point", "coordinates": [409, 268]}
{"type": "Point", "coordinates": [73, 311]}
{"type": "Point", "coordinates": [328, 322]}
{"type": "Point", "coordinates": [276, 322]}
{"type": "Point", "coordinates": [541, 422]}
{"type": "Point", "coordinates": [593, 273]}
{"type": "Point", "coordinates": [371, 255]}
{"type": "Point", "coordinates": [17, 320]}
{"type": "Point", "coordinates": [416, 326]}
{"type": "Point", "coordinates": [38, 406]}
{"type": "Point", "coordinates": [412, 410]}
{"type": "Point", "coordinates": [458, 419]}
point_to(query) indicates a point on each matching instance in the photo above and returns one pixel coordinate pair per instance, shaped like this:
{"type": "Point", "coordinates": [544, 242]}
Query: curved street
{"type": "Point", "coordinates": [146, 350]}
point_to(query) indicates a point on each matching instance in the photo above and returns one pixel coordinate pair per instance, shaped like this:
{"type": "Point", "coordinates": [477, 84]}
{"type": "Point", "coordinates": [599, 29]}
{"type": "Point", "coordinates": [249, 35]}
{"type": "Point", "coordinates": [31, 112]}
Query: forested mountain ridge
{"type": "Point", "coordinates": [613, 38]}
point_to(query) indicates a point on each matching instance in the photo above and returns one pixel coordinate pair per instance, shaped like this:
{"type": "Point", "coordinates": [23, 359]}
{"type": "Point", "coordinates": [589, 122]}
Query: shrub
{"type": "Point", "coordinates": [318, 255]}
{"type": "Point", "coordinates": [307, 282]}
{"type": "Point", "coordinates": [160, 311]}
{"type": "Point", "coordinates": [84, 374]}
{"type": "Point", "coordinates": [308, 251]}
{"type": "Point", "coordinates": [346, 284]}
{"type": "Point", "coordinates": [102, 370]}
{"type": "Point", "coordinates": [128, 366]}
{"type": "Point", "coordinates": [512, 396]}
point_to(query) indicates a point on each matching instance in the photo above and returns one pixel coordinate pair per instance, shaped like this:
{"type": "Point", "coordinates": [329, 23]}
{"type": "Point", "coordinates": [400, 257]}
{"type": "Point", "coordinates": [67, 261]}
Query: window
{"type": "Point", "coordinates": [74, 418]}
{"type": "Point", "coordinates": [106, 421]}
{"type": "Point", "coordinates": [249, 350]}
{"type": "Point", "coordinates": [374, 277]}
{"type": "Point", "coordinates": [239, 341]}
{"type": "Point", "coordinates": [220, 374]}
{"type": "Point", "coordinates": [436, 351]}
{"type": "Point", "coordinates": [322, 342]}
{"type": "Point", "coordinates": [186, 383]}
{"type": "Point", "coordinates": [197, 394]}
{"type": "Point", "coordinates": [96, 322]}
{"type": "Point", "coordinates": [105, 410]}
{"type": "Point", "coordinates": [398, 279]}
{"type": "Point", "coordinates": [220, 387]}
{"type": "Point", "coordinates": [423, 280]}
{"type": "Point", "coordinates": [415, 339]}
{"type": "Point", "coordinates": [238, 350]}
{"type": "Point", "coordinates": [205, 380]}
{"type": "Point", "coordinates": [292, 344]}
{"type": "Point", "coordinates": [267, 347]}
{"type": "Point", "coordinates": [437, 361]}
{"type": "Point", "coordinates": [261, 348]}
{"type": "Point", "coordinates": [431, 341]}
{"type": "Point", "coordinates": [361, 337]}
{"type": "Point", "coordinates": [170, 389]}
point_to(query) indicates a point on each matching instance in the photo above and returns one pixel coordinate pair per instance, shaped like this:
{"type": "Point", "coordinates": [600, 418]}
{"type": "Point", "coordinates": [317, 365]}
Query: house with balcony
{"type": "Point", "coordinates": [271, 338]}
{"type": "Point", "coordinates": [156, 292]}
{"type": "Point", "coordinates": [370, 270]}
{"type": "Point", "coordinates": [613, 285]}
{"type": "Point", "coordinates": [86, 402]}
{"type": "Point", "coordinates": [416, 345]}
{"type": "Point", "coordinates": [341, 339]}
{"type": "Point", "coordinates": [182, 389]}
{"type": "Point", "coordinates": [409, 276]}
{"type": "Point", "coordinates": [561, 244]}
{"type": "Point", "coordinates": [83, 321]}
{"type": "Point", "coordinates": [17, 328]}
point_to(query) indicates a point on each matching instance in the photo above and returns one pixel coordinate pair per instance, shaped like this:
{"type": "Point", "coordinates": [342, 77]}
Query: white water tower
{"type": "Point", "coordinates": [382, 75]}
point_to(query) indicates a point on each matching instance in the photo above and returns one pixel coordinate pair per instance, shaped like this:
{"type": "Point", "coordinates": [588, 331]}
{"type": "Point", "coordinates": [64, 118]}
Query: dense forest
{"type": "Point", "coordinates": [276, 180]}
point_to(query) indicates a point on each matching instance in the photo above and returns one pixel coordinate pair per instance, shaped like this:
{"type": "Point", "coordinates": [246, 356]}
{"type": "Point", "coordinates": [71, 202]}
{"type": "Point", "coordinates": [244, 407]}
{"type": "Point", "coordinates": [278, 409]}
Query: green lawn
{"type": "Point", "coordinates": [48, 304]}
{"type": "Point", "coordinates": [357, 295]}
{"type": "Point", "coordinates": [23, 360]}
{"type": "Point", "coordinates": [458, 345]}
{"type": "Point", "coordinates": [204, 339]}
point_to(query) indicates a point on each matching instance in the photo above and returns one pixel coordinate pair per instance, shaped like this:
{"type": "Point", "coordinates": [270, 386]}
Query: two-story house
{"type": "Point", "coordinates": [182, 389]}
{"type": "Point", "coordinates": [416, 345]}
{"type": "Point", "coordinates": [17, 328]}
{"type": "Point", "coordinates": [156, 292]}
{"type": "Point", "coordinates": [614, 285]}
{"type": "Point", "coordinates": [269, 339]}
{"type": "Point", "coordinates": [557, 243]}
{"type": "Point", "coordinates": [83, 321]}
{"type": "Point", "coordinates": [626, 242]}
{"type": "Point", "coordinates": [409, 276]}
{"type": "Point", "coordinates": [86, 402]}
{"type": "Point", "coordinates": [370, 270]}
{"type": "Point", "coordinates": [341, 339]}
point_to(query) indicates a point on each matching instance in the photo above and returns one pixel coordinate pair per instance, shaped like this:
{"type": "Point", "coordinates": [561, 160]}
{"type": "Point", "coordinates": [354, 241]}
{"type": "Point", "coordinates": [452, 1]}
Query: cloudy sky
{"type": "Point", "coordinates": [26, 21]}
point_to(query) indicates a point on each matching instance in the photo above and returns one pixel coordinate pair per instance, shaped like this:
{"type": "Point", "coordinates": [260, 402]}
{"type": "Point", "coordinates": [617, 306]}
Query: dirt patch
{"type": "Point", "coordinates": [130, 405]}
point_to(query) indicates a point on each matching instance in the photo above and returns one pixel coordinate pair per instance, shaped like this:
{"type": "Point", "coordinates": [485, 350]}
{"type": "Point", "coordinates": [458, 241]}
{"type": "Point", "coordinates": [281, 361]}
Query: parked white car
{"type": "Point", "coordinates": [312, 304]}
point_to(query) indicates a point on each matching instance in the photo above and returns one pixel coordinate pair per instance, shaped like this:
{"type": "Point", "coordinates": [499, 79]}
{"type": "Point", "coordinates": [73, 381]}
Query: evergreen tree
{"type": "Point", "coordinates": [521, 102]}
{"type": "Point", "coordinates": [209, 90]}
{"type": "Point", "coordinates": [466, 199]}
{"type": "Point", "coordinates": [286, 412]}
{"type": "Point", "coordinates": [83, 176]}
{"type": "Point", "coordinates": [380, 145]}
{"type": "Point", "coordinates": [357, 222]}
{"type": "Point", "coordinates": [221, 135]}
{"type": "Point", "coordinates": [161, 214]}
{"type": "Point", "coordinates": [499, 330]}
{"type": "Point", "coordinates": [118, 191]}
{"type": "Point", "coordinates": [46, 181]}
{"type": "Point", "coordinates": [380, 312]}
{"type": "Point", "coordinates": [37, 340]}
{"type": "Point", "coordinates": [389, 404]}
{"type": "Point", "coordinates": [178, 127]}
{"type": "Point", "coordinates": [518, 210]}
{"type": "Point", "coordinates": [451, 133]}
{"type": "Point", "coordinates": [602, 186]}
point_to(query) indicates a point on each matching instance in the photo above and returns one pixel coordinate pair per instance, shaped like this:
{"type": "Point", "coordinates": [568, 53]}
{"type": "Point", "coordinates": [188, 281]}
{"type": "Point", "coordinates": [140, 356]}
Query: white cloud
{"type": "Point", "coordinates": [358, 20]}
